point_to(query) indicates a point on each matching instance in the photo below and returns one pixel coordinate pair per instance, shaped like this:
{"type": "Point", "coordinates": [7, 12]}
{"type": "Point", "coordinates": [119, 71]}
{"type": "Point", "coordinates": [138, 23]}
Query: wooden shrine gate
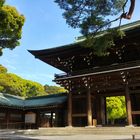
{"type": "Point", "coordinates": [86, 100]}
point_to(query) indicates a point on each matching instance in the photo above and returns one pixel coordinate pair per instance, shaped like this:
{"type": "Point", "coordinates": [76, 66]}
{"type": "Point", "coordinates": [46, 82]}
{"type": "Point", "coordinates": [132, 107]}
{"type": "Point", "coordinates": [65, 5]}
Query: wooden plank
{"type": "Point", "coordinates": [134, 85]}
{"type": "Point", "coordinates": [106, 70]}
{"type": "Point", "coordinates": [79, 115]}
{"type": "Point", "coordinates": [78, 96]}
{"type": "Point", "coordinates": [135, 91]}
{"type": "Point", "coordinates": [135, 112]}
{"type": "Point", "coordinates": [112, 94]}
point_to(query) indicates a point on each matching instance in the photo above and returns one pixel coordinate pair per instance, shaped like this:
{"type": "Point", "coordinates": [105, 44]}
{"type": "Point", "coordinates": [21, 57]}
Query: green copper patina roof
{"type": "Point", "coordinates": [49, 100]}
{"type": "Point", "coordinates": [11, 100]}
{"type": "Point", "coordinates": [7, 100]}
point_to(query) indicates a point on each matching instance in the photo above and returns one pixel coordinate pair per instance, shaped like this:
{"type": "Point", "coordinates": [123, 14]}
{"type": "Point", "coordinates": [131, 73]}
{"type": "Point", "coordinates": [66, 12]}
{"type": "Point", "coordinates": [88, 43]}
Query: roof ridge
{"type": "Point", "coordinates": [13, 96]}
{"type": "Point", "coordinates": [6, 100]}
{"type": "Point", "coordinates": [48, 96]}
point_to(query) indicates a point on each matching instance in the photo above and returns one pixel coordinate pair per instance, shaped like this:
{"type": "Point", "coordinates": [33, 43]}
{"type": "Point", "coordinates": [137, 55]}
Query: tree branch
{"type": "Point", "coordinates": [131, 9]}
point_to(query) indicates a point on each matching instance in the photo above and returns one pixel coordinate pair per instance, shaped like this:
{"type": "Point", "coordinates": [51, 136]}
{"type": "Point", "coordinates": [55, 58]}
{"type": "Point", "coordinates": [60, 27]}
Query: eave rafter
{"type": "Point", "coordinates": [103, 83]}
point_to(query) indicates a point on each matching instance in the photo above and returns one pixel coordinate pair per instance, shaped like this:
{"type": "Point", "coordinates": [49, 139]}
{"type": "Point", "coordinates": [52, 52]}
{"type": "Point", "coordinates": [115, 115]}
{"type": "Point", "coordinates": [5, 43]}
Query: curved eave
{"type": "Point", "coordinates": [48, 101]}
{"type": "Point", "coordinates": [49, 55]}
{"type": "Point", "coordinates": [11, 107]}
{"type": "Point", "coordinates": [42, 101]}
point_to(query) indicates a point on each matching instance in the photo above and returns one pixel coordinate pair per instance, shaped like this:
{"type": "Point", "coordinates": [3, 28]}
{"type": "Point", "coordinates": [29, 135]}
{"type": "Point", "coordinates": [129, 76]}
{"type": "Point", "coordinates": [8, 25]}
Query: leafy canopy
{"type": "Point", "coordinates": [54, 89]}
{"type": "Point", "coordinates": [3, 69]}
{"type": "Point", "coordinates": [11, 22]}
{"type": "Point", "coordinates": [93, 17]}
{"type": "Point", "coordinates": [13, 84]}
{"type": "Point", "coordinates": [116, 107]}
{"type": "Point", "coordinates": [89, 15]}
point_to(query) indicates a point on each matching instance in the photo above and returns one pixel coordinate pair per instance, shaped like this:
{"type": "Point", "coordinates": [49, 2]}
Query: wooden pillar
{"type": "Point", "coordinates": [128, 105]}
{"type": "Point", "coordinates": [103, 110]}
{"type": "Point", "coordinates": [37, 118]}
{"type": "Point", "coordinates": [7, 118]}
{"type": "Point", "coordinates": [70, 108]}
{"type": "Point", "coordinates": [51, 119]}
{"type": "Point", "coordinates": [89, 107]}
{"type": "Point", "coordinates": [23, 120]}
{"type": "Point", "coordinates": [56, 124]}
{"type": "Point", "coordinates": [98, 108]}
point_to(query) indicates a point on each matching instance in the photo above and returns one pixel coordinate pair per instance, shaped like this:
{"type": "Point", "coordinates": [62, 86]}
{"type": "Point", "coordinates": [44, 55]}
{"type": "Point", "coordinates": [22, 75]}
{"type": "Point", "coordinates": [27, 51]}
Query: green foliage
{"type": "Point", "coordinates": [11, 23]}
{"type": "Point", "coordinates": [13, 84]}
{"type": "Point", "coordinates": [89, 15]}
{"type": "Point", "coordinates": [54, 89]}
{"type": "Point", "coordinates": [93, 17]}
{"type": "Point", "coordinates": [1, 3]}
{"type": "Point", "coordinates": [116, 107]}
{"type": "Point", "coordinates": [103, 41]}
{"type": "Point", "coordinates": [3, 69]}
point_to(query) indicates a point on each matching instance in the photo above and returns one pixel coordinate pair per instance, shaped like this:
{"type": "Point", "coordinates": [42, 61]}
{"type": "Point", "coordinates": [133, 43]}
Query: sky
{"type": "Point", "coordinates": [44, 28]}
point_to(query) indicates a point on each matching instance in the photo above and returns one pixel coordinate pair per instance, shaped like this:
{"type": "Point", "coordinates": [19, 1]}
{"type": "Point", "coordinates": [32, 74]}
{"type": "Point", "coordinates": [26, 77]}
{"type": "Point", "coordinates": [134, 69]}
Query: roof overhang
{"type": "Point", "coordinates": [52, 55]}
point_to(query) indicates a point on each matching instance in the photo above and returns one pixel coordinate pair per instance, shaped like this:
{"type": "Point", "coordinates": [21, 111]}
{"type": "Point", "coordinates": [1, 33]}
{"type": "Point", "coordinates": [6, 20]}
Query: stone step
{"type": "Point", "coordinates": [80, 130]}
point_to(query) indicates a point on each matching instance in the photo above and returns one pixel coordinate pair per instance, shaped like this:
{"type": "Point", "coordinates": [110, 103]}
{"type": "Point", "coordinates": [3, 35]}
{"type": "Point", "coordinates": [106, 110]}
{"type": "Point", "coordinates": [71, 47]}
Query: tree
{"type": "Point", "coordinates": [3, 69]}
{"type": "Point", "coordinates": [95, 16]}
{"type": "Point", "coordinates": [54, 89]}
{"type": "Point", "coordinates": [15, 85]}
{"type": "Point", "coordinates": [116, 108]}
{"type": "Point", "coordinates": [11, 23]}
{"type": "Point", "coordinates": [128, 15]}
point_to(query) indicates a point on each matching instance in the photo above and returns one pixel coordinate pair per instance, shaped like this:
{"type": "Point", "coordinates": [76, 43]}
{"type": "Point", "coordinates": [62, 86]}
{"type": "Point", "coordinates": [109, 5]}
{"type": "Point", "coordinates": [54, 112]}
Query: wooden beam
{"type": "Point", "coordinates": [78, 96]}
{"type": "Point", "coordinates": [108, 89]}
{"type": "Point", "coordinates": [106, 94]}
{"type": "Point", "coordinates": [135, 91]}
{"type": "Point", "coordinates": [79, 115]}
{"type": "Point", "coordinates": [135, 112]}
{"type": "Point", "coordinates": [134, 85]}
{"type": "Point", "coordinates": [107, 70]}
